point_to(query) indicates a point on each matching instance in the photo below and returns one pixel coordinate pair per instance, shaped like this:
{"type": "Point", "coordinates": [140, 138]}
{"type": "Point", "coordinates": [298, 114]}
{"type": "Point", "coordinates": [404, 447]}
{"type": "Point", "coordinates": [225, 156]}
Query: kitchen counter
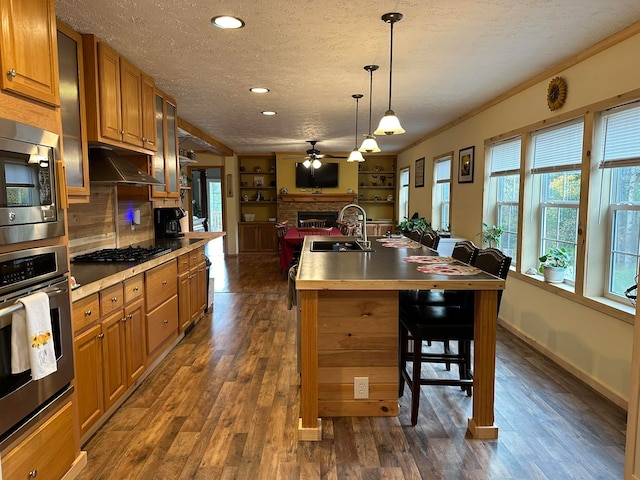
{"type": "Point", "coordinates": [349, 328]}
{"type": "Point", "coordinates": [93, 277]}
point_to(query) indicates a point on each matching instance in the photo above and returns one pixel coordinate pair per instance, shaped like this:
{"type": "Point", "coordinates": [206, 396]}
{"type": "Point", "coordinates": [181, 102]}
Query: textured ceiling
{"type": "Point", "coordinates": [449, 57]}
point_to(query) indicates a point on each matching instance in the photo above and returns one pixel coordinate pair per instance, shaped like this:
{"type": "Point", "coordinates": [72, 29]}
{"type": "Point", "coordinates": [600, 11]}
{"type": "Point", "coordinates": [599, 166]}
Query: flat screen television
{"type": "Point", "coordinates": [324, 177]}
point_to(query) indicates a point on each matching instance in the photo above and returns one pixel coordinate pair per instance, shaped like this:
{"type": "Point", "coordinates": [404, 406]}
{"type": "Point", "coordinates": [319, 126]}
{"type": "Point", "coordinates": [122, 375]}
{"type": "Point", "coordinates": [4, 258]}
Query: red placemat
{"type": "Point", "coordinates": [428, 259]}
{"type": "Point", "coordinates": [441, 269]}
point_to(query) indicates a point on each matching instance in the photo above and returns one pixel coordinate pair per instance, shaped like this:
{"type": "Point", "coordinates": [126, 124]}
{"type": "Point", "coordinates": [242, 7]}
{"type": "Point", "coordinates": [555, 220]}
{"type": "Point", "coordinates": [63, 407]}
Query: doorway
{"type": "Point", "coordinates": [207, 199]}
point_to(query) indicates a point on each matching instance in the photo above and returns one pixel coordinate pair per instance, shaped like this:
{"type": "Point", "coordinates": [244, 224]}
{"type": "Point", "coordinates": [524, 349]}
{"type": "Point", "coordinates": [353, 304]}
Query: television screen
{"type": "Point", "coordinates": [324, 177]}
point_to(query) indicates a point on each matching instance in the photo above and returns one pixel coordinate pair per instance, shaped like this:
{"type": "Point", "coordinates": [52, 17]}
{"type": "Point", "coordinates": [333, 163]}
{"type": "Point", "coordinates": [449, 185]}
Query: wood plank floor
{"type": "Point", "coordinates": [224, 405]}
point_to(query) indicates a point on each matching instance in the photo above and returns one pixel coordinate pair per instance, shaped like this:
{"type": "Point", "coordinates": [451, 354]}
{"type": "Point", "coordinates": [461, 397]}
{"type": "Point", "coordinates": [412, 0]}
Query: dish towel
{"type": "Point", "coordinates": [32, 338]}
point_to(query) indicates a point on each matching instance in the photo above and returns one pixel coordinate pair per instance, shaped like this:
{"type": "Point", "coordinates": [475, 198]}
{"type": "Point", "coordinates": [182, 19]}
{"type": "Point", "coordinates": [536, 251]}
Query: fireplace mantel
{"type": "Point", "coordinates": [318, 197]}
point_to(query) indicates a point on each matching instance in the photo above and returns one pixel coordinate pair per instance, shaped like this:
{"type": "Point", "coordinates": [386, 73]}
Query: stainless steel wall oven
{"type": "Point", "coordinates": [29, 207]}
{"type": "Point", "coordinates": [23, 273]}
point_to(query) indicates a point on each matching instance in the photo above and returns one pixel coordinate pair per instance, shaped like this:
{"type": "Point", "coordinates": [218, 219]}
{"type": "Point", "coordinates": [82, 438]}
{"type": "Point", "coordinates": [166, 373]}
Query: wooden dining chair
{"type": "Point", "coordinates": [313, 222]}
{"type": "Point", "coordinates": [450, 322]}
{"type": "Point", "coordinates": [416, 235]}
{"type": "Point", "coordinates": [430, 239]}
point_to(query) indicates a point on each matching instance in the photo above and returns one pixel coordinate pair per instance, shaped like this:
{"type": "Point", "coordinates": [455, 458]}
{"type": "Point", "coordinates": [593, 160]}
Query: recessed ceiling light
{"type": "Point", "coordinates": [269, 113]}
{"type": "Point", "coordinates": [227, 22]}
{"type": "Point", "coordinates": [259, 90]}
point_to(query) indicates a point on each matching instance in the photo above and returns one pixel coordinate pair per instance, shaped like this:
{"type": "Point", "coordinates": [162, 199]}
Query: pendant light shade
{"type": "Point", "coordinates": [369, 144]}
{"type": "Point", "coordinates": [389, 124]}
{"type": "Point", "coordinates": [355, 155]}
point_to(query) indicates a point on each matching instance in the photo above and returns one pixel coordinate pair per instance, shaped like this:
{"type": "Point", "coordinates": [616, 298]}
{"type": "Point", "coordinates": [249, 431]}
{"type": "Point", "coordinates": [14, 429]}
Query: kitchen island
{"type": "Point", "coordinates": [349, 328]}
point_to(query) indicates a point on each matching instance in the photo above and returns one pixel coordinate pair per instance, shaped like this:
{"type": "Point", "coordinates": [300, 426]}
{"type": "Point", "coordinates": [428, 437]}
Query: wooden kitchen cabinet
{"type": "Point", "coordinates": [192, 287]}
{"type": "Point", "coordinates": [113, 358]}
{"type": "Point", "coordinates": [46, 454]}
{"type": "Point", "coordinates": [165, 162]}
{"type": "Point", "coordinates": [28, 50]}
{"type": "Point", "coordinates": [115, 89]}
{"type": "Point", "coordinates": [257, 237]}
{"type": "Point", "coordinates": [89, 389]}
{"type": "Point", "coordinates": [380, 228]}
{"type": "Point", "coordinates": [161, 293]}
{"type": "Point", "coordinates": [135, 340]}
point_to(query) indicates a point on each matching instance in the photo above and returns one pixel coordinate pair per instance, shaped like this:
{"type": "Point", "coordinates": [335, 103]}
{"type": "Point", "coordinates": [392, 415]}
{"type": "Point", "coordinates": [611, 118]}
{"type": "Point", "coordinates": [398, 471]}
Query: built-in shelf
{"type": "Point", "coordinates": [186, 160]}
{"type": "Point", "coordinates": [375, 187]}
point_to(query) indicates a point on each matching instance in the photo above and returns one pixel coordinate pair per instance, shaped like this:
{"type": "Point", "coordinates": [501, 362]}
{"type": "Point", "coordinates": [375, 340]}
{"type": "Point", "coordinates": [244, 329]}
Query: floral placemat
{"type": "Point", "coordinates": [428, 259]}
{"type": "Point", "coordinates": [441, 269]}
{"type": "Point", "coordinates": [391, 242]}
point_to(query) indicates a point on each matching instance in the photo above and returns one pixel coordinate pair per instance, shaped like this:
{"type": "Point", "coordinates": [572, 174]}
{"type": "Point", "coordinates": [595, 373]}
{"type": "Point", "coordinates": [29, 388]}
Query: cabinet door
{"type": "Point", "coordinates": [171, 150]}
{"type": "Point", "coordinates": [247, 237]}
{"type": "Point", "coordinates": [88, 360]}
{"type": "Point", "coordinates": [109, 89]}
{"type": "Point", "coordinates": [149, 135]}
{"type": "Point", "coordinates": [28, 50]}
{"type": "Point", "coordinates": [184, 300]}
{"type": "Point", "coordinates": [202, 288]}
{"type": "Point", "coordinates": [113, 358]}
{"type": "Point", "coordinates": [268, 238]}
{"type": "Point", "coordinates": [72, 102]}
{"type": "Point", "coordinates": [131, 98]}
{"type": "Point", "coordinates": [158, 170]}
{"type": "Point", "coordinates": [193, 294]}
{"type": "Point", "coordinates": [135, 340]}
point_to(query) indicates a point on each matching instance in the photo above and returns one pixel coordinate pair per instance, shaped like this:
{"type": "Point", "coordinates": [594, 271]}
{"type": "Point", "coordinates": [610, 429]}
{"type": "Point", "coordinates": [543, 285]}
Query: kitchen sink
{"type": "Point", "coordinates": [333, 246]}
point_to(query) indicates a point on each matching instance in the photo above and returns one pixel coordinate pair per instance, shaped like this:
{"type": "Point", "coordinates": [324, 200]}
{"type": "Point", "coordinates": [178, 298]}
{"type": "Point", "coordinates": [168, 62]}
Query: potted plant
{"type": "Point", "coordinates": [410, 224]}
{"type": "Point", "coordinates": [554, 263]}
{"type": "Point", "coordinates": [491, 234]}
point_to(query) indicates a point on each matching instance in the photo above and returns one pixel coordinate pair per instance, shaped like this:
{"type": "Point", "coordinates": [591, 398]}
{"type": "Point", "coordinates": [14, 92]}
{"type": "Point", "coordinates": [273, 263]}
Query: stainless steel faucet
{"type": "Point", "coordinates": [364, 243]}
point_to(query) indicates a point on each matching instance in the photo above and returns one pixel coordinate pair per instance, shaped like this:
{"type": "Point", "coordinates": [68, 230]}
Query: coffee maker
{"type": "Point", "coordinates": [166, 222]}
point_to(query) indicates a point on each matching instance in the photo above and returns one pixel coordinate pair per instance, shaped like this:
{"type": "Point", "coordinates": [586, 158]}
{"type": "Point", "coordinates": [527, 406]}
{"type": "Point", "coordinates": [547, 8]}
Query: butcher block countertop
{"type": "Point", "coordinates": [381, 269]}
{"type": "Point", "coordinates": [93, 277]}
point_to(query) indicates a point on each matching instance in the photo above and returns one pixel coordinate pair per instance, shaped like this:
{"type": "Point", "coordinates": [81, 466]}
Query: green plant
{"type": "Point", "coordinates": [410, 224]}
{"type": "Point", "coordinates": [555, 257]}
{"type": "Point", "coordinates": [491, 234]}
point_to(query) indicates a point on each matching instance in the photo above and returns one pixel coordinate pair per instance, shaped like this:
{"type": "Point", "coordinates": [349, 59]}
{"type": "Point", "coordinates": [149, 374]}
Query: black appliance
{"type": "Point", "coordinates": [166, 222]}
{"type": "Point", "coordinates": [122, 255]}
{"type": "Point", "coordinates": [24, 273]}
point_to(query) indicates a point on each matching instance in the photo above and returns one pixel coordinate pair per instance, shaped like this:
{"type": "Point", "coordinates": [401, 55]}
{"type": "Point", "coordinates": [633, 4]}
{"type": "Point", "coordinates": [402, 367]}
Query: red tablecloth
{"type": "Point", "coordinates": [293, 238]}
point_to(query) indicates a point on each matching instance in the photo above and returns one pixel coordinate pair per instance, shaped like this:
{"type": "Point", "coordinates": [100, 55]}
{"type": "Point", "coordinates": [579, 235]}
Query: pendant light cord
{"type": "Point", "coordinates": [356, 135]}
{"type": "Point", "coordinates": [370, 95]}
{"type": "Point", "coordinates": [390, 62]}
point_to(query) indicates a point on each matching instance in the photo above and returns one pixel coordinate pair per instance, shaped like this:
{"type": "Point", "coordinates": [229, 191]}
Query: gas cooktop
{"type": "Point", "coordinates": [122, 255]}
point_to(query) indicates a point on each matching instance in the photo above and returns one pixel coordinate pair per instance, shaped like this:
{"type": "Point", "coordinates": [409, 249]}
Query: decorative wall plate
{"type": "Point", "coordinates": [556, 93]}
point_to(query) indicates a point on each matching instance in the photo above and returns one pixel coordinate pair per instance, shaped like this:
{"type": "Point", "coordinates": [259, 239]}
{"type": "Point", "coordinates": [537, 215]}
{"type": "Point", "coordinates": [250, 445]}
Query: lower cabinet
{"type": "Point", "coordinates": [89, 390]}
{"type": "Point", "coordinates": [379, 229]}
{"type": "Point", "coordinates": [161, 292]}
{"type": "Point", "coordinates": [192, 287]}
{"type": "Point", "coordinates": [47, 453]}
{"type": "Point", "coordinates": [257, 237]}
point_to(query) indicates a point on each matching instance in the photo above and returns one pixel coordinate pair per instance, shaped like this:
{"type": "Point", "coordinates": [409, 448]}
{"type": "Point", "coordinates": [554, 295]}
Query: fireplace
{"type": "Point", "coordinates": [329, 217]}
{"type": "Point", "coordinates": [291, 206]}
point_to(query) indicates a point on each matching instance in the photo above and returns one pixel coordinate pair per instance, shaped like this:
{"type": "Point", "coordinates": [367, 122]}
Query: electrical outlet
{"type": "Point", "coordinates": [360, 387]}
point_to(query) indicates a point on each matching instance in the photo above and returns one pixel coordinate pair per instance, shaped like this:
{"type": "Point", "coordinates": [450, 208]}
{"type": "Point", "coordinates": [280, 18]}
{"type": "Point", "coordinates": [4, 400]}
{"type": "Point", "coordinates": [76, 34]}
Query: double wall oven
{"type": "Point", "coordinates": [23, 273]}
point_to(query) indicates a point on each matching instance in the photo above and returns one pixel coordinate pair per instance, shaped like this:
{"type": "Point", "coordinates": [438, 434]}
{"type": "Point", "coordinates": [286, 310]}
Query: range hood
{"type": "Point", "coordinates": [107, 167]}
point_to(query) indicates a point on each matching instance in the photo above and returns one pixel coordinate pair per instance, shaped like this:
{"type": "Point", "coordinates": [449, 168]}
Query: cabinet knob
{"type": "Point", "coordinates": [145, 140]}
{"type": "Point", "coordinates": [136, 288]}
{"type": "Point", "coordinates": [164, 282]}
{"type": "Point", "coordinates": [101, 336]}
{"type": "Point", "coordinates": [33, 473]}
{"type": "Point", "coordinates": [12, 73]}
{"type": "Point", "coordinates": [130, 316]}
{"type": "Point", "coordinates": [87, 313]}
{"type": "Point", "coordinates": [165, 321]}
{"type": "Point", "coordinates": [121, 132]}
{"type": "Point", "coordinates": [114, 299]}
{"type": "Point", "coordinates": [124, 319]}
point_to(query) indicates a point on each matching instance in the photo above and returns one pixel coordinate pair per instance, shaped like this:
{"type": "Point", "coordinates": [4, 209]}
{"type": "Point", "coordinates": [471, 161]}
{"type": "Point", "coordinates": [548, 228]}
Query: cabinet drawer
{"type": "Point", "coordinates": [133, 288]}
{"type": "Point", "coordinates": [162, 324]}
{"type": "Point", "coordinates": [183, 263]}
{"type": "Point", "coordinates": [47, 453]}
{"type": "Point", "coordinates": [161, 284]}
{"type": "Point", "coordinates": [111, 299]}
{"type": "Point", "coordinates": [196, 257]}
{"type": "Point", "coordinates": [85, 311]}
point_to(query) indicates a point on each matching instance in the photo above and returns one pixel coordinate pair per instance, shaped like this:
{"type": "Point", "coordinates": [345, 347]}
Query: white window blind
{"type": "Point", "coordinates": [443, 170]}
{"type": "Point", "coordinates": [621, 143]}
{"type": "Point", "coordinates": [505, 158]}
{"type": "Point", "coordinates": [558, 149]}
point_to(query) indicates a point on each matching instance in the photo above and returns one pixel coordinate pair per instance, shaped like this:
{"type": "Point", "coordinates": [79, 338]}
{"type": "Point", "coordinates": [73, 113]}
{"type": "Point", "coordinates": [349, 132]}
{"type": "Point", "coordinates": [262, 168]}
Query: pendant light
{"type": "Point", "coordinates": [355, 155]}
{"type": "Point", "coordinates": [389, 124]}
{"type": "Point", "coordinates": [369, 144]}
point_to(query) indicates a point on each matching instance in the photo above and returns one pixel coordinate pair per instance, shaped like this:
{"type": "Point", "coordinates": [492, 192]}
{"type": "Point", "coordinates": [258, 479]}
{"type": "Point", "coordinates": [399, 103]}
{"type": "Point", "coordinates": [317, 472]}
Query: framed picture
{"type": "Point", "coordinates": [229, 185]}
{"type": "Point", "coordinates": [420, 172]}
{"type": "Point", "coordinates": [258, 182]}
{"type": "Point", "coordinates": [465, 165]}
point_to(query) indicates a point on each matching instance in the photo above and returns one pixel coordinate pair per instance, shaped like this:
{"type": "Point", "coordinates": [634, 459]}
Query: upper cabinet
{"type": "Point", "coordinates": [119, 107]}
{"type": "Point", "coordinates": [28, 51]}
{"type": "Point", "coordinates": [165, 160]}
{"type": "Point", "coordinates": [74, 137]}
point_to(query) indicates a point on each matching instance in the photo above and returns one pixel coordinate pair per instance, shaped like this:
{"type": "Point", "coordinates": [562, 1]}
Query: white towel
{"type": "Point", "coordinates": [32, 337]}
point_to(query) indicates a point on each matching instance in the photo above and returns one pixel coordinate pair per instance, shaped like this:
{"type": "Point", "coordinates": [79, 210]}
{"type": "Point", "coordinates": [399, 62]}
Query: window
{"type": "Point", "coordinates": [504, 164]}
{"type": "Point", "coordinates": [442, 192]}
{"type": "Point", "coordinates": [621, 170]}
{"type": "Point", "coordinates": [403, 195]}
{"type": "Point", "coordinates": [557, 156]}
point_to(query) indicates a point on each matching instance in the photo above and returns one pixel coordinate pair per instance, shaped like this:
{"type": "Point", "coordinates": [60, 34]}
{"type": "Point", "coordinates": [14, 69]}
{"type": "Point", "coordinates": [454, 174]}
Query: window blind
{"type": "Point", "coordinates": [443, 170]}
{"type": "Point", "coordinates": [558, 149]}
{"type": "Point", "coordinates": [505, 158]}
{"type": "Point", "coordinates": [621, 143]}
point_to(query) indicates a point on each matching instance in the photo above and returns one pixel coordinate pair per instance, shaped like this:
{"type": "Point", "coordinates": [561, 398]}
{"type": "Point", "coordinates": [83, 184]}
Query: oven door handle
{"type": "Point", "coordinates": [11, 309]}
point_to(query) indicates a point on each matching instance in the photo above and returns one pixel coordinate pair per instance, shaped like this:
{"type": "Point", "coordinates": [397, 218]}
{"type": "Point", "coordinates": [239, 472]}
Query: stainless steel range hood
{"type": "Point", "coordinates": [107, 167]}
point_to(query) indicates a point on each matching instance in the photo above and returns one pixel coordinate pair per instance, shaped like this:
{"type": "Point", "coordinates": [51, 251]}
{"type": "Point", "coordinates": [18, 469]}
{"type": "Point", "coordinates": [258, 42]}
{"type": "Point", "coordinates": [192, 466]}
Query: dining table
{"type": "Point", "coordinates": [292, 241]}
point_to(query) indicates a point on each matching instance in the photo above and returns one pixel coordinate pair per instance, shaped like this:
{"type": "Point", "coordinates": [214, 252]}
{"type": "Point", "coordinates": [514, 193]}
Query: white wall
{"type": "Point", "coordinates": [595, 346]}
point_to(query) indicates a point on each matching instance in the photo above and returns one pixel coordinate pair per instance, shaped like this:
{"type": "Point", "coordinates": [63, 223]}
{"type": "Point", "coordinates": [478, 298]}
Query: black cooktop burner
{"type": "Point", "coordinates": [122, 255]}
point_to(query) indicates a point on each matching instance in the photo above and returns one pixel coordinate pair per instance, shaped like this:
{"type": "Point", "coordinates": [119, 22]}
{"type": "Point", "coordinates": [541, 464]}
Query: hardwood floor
{"type": "Point", "coordinates": [224, 405]}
